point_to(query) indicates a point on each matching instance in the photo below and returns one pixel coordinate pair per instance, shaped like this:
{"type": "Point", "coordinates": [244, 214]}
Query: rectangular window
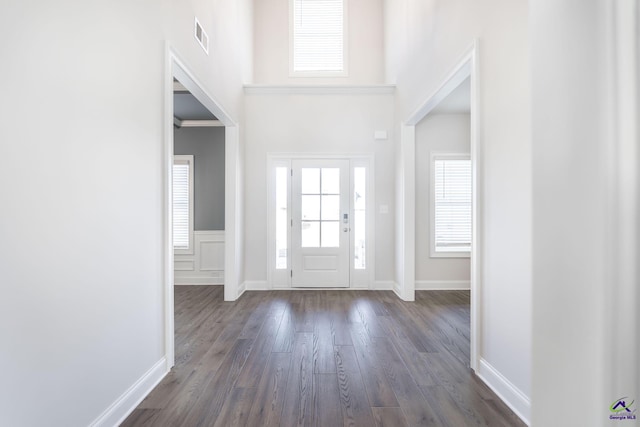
{"type": "Point", "coordinates": [317, 39]}
{"type": "Point", "coordinates": [282, 223]}
{"type": "Point", "coordinates": [451, 205]}
{"type": "Point", "coordinates": [359, 219]}
{"type": "Point", "coordinates": [183, 204]}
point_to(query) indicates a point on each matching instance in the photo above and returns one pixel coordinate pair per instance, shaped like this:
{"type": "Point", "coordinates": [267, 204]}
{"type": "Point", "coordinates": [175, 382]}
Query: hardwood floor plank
{"type": "Point", "coordinates": [235, 411]}
{"type": "Point", "coordinates": [270, 393]}
{"type": "Point", "coordinates": [286, 333]}
{"type": "Point", "coordinates": [337, 302]}
{"type": "Point", "coordinates": [323, 358]}
{"type": "Point", "coordinates": [326, 399]}
{"type": "Point", "coordinates": [375, 381]}
{"type": "Point", "coordinates": [219, 350]}
{"type": "Point", "coordinates": [303, 312]}
{"type": "Point", "coordinates": [447, 410]}
{"type": "Point", "coordinates": [211, 401]}
{"type": "Point", "coordinates": [413, 359]}
{"type": "Point", "coordinates": [369, 318]}
{"type": "Point", "coordinates": [252, 369]}
{"type": "Point", "coordinates": [255, 321]}
{"type": "Point", "coordinates": [141, 417]}
{"type": "Point", "coordinates": [356, 410]}
{"type": "Point", "coordinates": [389, 417]}
{"type": "Point", "coordinates": [183, 400]}
{"type": "Point", "coordinates": [298, 404]}
{"type": "Point", "coordinates": [417, 411]}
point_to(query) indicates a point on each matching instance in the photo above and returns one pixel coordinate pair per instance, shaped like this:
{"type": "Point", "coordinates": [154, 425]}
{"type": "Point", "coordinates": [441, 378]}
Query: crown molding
{"type": "Point", "coordinates": [259, 89]}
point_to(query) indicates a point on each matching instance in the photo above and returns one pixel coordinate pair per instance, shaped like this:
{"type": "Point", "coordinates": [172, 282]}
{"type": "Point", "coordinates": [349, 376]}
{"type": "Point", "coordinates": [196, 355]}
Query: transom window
{"type": "Point", "coordinates": [317, 36]}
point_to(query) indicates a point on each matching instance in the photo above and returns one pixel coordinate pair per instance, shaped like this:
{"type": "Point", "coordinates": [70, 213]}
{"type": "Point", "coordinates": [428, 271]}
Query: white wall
{"type": "Point", "coordinates": [81, 259]}
{"type": "Point", "coordinates": [443, 133]}
{"type": "Point", "coordinates": [586, 209]}
{"type": "Point", "coordinates": [205, 265]}
{"type": "Point", "coordinates": [364, 38]}
{"type": "Point", "coordinates": [327, 124]}
{"type": "Point", "coordinates": [424, 41]}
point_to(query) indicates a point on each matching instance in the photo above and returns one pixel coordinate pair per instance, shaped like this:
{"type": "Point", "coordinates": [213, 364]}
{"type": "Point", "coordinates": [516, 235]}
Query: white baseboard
{"type": "Point", "coordinates": [119, 410]}
{"type": "Point", "coordinates": [263, 285]}
{"type": "Point", "coordinates": [384, 285]}
{"type": "Point", "coordinates": [198, 282]}
{"type": "Point", "coordinates": [442, 285]}
{"type": "Point", "coordinates": [509, 393]}
{"type": "Point", "coordinates": [256, 285]}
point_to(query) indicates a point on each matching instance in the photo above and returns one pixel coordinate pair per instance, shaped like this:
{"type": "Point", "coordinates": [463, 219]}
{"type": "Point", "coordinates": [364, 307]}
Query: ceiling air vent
{"type": "Point", "coordinates": [202, 37]}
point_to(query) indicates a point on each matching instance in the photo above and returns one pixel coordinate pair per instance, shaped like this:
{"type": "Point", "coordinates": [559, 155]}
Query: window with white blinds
{"type": "Point", "coordinates": [182, 203]}
{"type": "Point", "coordinates": [318, 36]}
{"type": "Point", "coordinates": [451, 201]}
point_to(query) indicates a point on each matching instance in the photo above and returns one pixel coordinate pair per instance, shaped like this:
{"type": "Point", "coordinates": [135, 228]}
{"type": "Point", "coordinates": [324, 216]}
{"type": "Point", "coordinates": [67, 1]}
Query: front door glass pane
{"type": "Point", "coordinates": [310, 181]}
{"type": "Point", "coordinates": [331, 208]}
{"type": "Point", "coordinates": [310, 234]}
{"type": "Point", "coordinates": [310, 207]}
{"type": "Point", "coordinates": [330, 232]}
{"type": "Point", "coordinates": [330, 181]}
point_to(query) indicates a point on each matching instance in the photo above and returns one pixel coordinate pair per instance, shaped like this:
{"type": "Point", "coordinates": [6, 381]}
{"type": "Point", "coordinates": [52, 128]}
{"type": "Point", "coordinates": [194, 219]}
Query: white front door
{"type": "Point", "coordinates": [320, 228]}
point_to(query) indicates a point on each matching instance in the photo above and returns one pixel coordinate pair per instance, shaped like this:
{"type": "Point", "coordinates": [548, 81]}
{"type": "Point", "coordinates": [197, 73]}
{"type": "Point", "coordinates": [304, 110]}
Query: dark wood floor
{"type": "Point", "coordinates": [321, 358]}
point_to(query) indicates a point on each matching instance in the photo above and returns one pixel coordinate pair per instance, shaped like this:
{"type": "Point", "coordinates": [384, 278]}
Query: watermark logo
{"type": "Point", "coordinates": [621, 409]}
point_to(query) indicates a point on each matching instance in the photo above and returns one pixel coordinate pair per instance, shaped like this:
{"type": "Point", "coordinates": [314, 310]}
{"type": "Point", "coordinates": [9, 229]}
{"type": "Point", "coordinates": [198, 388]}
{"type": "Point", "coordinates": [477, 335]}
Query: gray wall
{"type": "Point", "coordinates": [207, 147]}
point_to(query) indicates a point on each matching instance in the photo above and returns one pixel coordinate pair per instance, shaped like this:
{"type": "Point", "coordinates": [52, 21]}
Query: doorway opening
{"type": "Point", "coordinates": [198, 191]}
{"type": "Point", "coordinates": [462, 85]}
{"type": "Point", "coordinates": [218, 258]}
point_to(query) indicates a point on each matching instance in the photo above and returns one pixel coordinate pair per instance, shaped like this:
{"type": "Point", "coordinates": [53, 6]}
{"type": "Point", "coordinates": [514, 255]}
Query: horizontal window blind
{"type": "Point", "coordinates": [452, 205]}
{"type": "Point", "coordinates": [318, 35]}
{"type": "Point", "coordinates": [181, 204]}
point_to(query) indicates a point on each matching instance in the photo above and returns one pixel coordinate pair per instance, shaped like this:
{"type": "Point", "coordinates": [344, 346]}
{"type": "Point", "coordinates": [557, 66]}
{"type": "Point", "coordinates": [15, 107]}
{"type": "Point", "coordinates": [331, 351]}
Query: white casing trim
{"type": "Point", "coordinates": [119, 410]}
{"type": "Point", "coordinates": [442, 285]}
{"type": "Point", "coordinates": [511, 395]}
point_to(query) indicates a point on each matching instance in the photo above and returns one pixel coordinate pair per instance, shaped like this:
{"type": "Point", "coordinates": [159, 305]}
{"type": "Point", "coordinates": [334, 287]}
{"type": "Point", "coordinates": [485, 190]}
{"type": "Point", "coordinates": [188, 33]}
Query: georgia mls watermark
{"type": "Point", "coordinates": [621, 409]}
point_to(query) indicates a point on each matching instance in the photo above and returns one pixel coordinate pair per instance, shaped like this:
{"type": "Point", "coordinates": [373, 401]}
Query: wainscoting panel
{"type": "Point", "coordinates": [206, 265]}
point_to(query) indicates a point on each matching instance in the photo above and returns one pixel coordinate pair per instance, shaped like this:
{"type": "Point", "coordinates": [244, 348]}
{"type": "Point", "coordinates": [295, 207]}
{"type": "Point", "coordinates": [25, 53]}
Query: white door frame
{"type": "Point", "coordinates": [275, 280]}
{"type": "Point", "coordinates": [466, 67]}
{"type": "Point", "coordinates": [176, 67]}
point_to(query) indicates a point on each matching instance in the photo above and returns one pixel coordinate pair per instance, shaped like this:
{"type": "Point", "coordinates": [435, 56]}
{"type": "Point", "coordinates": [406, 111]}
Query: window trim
{"type": "Point", "coordinates": [188, 158]}
{"type": "Point", "coordinates": [345, 50]}
{"type": "Point", "coordinates": [432, 205]}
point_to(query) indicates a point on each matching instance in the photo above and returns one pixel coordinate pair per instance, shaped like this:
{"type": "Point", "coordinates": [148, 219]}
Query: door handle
{"type": "Point", "coordinates": [345, 229]}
